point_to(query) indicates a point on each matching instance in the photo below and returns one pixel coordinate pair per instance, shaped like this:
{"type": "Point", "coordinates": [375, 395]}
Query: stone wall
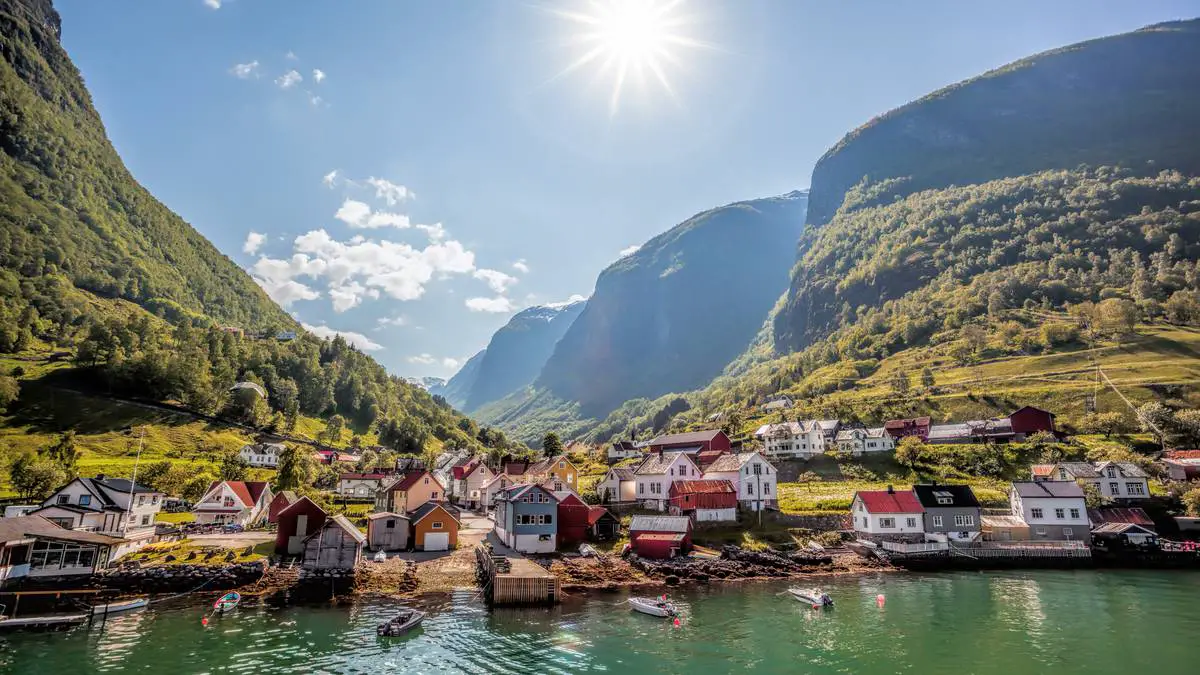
{"type": "Point", "coordinates": [180, 578]}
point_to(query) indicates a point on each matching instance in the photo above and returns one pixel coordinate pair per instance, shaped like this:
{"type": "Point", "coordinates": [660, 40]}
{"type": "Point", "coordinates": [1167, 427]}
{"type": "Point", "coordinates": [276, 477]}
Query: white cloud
{"type": "Point", "coordinates": [289, 79]}
{"type": "Point", "coordinates": [496, 280]}
{"type": "Point", "coordinates": [630, 250]}
{"type": "Point", "coordinates": [318, 75]}
{"type": "Point", "coordinates": [496, 305]}
{"type": "Point", "coordinates": [291, 56]}
{"type": "Point", "coordinates": [358, 214]}
{"type": "Point", "coordinates": [435, 231]}
{"type": "Point", "coordinates": [384, 321]}
{"type": "Point", "coordinates": [569, 301]}
{"type": "Point", "coordinates": [254, 241]}
{"type": "Point", "coordinates": [314, 99]}
{"type": "Point", "coordinates": [212, 4]}
{"type": "Point", "coordinates": [330, 178]}
{"type": "Point", "coordinates": [392, 193]}
{"type": "Point", "coordinates": [429, 360]}
{"type": "Point", "coordinates": [286, 291]}
{"type": "Point", "coordinates": [245, 71]}
{"type": "Point", "coordinates": [521, 266]}
{"type": "Point", "coordinates": [350, 295]}
{"type": "Point", "coordinates": [357, 339]}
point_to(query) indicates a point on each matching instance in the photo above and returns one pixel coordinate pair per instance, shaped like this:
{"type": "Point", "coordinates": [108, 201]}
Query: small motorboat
{"type": "Point", "coordinates": [653, 606]}
{"type": "Point", "coordinates": [405, 621]}
{"type": "Point", "coordinates": [227, 602]}
{"type": "Point", "coordinates": [813, 596]}
{"type": "Point", "coordinates": [120, 606]}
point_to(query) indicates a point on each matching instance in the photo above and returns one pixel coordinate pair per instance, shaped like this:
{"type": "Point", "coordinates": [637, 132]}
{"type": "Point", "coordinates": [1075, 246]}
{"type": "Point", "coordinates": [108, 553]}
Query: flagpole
{"type": "Point", "coordinates": [133, 482]}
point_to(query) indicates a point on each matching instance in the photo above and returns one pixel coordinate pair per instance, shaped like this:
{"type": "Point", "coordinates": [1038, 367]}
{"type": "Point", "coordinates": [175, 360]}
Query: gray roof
{"type": "Point", "coordinates": [689, 437]}
{"type": "Point", "coordinates": [729, 462]}
{"type": "Point", "coordinates": [1061, 489]}
{"type": "Point", "coordinates": [622, 472]}
{"type": "Point", "coordinates": [654, 464]}
{"type": "Point", "coordinates": [1078, 469]}
{"type": "Point", "coordinates": [659, 524]}
{"type": "Point", "coordinates": [1129, 469]}
{"type": "Point", "coordinates": [27, 527]}
{"type": "Point", "coordinates": [945, 496]}
{"type": "Point", "coordinates": [342, 522]}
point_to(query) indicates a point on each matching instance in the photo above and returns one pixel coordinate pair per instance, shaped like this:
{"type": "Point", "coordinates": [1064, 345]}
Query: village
{"type": "Point", "coordinates": [678, 507]}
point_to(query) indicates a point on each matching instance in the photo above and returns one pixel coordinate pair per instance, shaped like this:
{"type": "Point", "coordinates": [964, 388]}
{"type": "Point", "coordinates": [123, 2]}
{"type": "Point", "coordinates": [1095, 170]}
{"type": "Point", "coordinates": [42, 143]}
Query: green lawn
{"type": "Point", "coordinates": [175, 518]}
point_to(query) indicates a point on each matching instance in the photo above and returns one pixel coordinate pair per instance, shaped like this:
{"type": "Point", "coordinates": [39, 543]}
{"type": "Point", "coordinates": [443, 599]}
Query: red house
{"type": "Point", "coordinates": [1030, 420]}
{"type": "Point", "coordinates": [698, 441]}
{"type": "Point", "coordinates": [917, 426]}
{"type": "Point", "coordinates": [660, 537]}
{"type": "Point", "coordinates": [296, 523]}
{"type": "Point", "coordinates": [282, 500]}
{"type": "Point", "coordinates": [703, 500]}
{"type": "Point", "coordinates": [572, 520]}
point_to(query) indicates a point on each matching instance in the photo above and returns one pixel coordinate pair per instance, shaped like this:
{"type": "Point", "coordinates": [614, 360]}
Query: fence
{"type": "Point", "coordinates": [902, 547]}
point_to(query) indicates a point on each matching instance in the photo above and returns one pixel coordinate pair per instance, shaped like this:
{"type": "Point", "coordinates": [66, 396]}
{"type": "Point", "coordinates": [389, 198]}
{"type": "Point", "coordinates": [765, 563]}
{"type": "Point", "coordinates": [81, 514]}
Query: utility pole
{"type": "Point", "coordinates": [133, 483]}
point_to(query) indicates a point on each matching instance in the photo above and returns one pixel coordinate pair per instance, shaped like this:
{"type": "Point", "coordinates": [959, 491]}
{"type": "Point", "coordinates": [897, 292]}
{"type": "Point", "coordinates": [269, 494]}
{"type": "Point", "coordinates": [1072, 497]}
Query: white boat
{"type": "Point", "coordinates": [120, 606]}
{"type": "Point", "coordinates": [653, 606]}
{"type": "Point", "coordinates": [812, 596]}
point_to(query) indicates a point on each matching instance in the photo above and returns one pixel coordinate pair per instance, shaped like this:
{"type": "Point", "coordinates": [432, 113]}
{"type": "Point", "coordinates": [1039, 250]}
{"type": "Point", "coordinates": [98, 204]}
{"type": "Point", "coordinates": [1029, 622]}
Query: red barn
{"type": "Point", "coordinates": [704, 500]}
{"type": "Point", "coordinates": [660, 537]}
{"type": "Point", "coordinates": [282, 500]}
{"type": "Point", "coordinates": [296, 523]}
{"type": "Point", "coordinates": [698, 441]}
{"type": "Point", "coordinates": [602, 525]}
{"type": "Point", "coordinates": [572, 520]}
{"type": "Point", "coordinates": [917, 426]}
{"type": "Point", "coordinates": [1030, 420]}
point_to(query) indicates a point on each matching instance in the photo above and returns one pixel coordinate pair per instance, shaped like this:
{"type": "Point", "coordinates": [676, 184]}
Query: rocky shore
{"type": "Point", "coordinates": [181, 578]}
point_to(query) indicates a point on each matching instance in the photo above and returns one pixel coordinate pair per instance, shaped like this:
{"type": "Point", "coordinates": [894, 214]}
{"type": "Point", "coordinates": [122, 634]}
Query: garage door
{"type": "Point", "coordinates": [437, 541]}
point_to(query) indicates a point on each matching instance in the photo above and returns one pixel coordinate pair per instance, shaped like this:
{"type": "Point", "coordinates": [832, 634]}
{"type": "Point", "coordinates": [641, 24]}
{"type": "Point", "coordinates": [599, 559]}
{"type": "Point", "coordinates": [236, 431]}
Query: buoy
{"type": "Point", "coordinates": [816, 606]}
{"type": "Point", "coordinates": [204, 621]}
{"type": "Point", "coordinates": [677, 622]}
{"type": "Point", "coordinates": [879, 600]}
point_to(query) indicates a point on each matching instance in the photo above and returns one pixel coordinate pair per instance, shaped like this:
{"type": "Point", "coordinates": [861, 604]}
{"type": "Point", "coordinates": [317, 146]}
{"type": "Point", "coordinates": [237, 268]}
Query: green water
{"type": "Point", "coordinates": [985, 623]}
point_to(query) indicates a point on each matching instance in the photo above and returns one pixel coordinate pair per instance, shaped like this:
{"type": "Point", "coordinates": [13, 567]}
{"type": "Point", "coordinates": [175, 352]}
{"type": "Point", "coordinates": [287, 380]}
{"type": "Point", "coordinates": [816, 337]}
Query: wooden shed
{"type": "Point", "coordinates": [660, 537]}
{"type": "Point", "coordinates": [602, 525]}
{"type": "Point", "coordinates": [387, 531]}
{"type": "Point", "coordinates": [295, 523]}
{"type": "Point", "coordinates": [572, 520]}
{"type": "Point", "coordinates": [337, 545]}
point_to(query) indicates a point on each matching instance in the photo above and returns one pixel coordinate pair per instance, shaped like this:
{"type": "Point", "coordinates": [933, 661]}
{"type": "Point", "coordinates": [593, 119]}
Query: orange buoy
{"type": "Point", "coordinates": [204, 621]}
{"type": "Point", "coordinates": [879, 600]}
{"type": "Point", "coordinates": [677, 622]}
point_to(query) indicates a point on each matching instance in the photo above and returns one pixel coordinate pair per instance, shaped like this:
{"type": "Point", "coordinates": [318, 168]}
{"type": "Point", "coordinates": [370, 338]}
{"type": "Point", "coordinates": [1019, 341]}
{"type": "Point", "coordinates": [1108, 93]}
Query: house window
{"type": "Point", "coordinates": [1035, 513]}
{"type": "Point", "coordinates": [146, 519]}
{"type": "Point", "coordinates": [671, 471]}
{"type": "Point", "coordinates": [1068, 533]}
{"type": "Point", "coordinates": [64, 499]}
{"type": "Point", "coordinates": [228, 501]}
{"type": "Point", "coordinates": [435, 525]}
{"type": "Point", "coordinates": [570, 478]}
{"type": "Point", "coordinates": [937, 521]}
{"type": "Point", "coordinates": [911, 522]}
{"type": "Point", "coordinates": [433, 496]}
{"type": "Point", "coordinates": [964, 521]}
{"type": "Point", "coordinates": [887, 522]}
{"type": "Point", "coordinates": [1114, 487]}
{"type": "Point", "coordinates": [546, 519]}
{"type": "Point", "coordinates": [1075, 514]}
{"type": "Point", "coordinates": [758, 469]}
{"type": "Point", "coordinates": [1041, 531]}
{"type": "Point", "coordinates": [1112, 472]}
{"type": "Point", "coordinates": [562, 465]}
{"type": "Point", "coordinates": [1062, 474]}
{"type": "Point", "coordinates": [390, 524]}
{"type": "Point", "coordinates": [749, 489]}
{"type": "Point", "coordinates": [766, 489]}
{"type": "Point", "coordinates": [1059, 513]}
{"type": "Point", "coordinates": [641, 488]}
{"type": "Point", "coordinates": [84, 500]}
{"type": "Point", "coordinates": [154, 499]}
{"type": "Point", "coordinates": [1135, 488]}
{"type": "Point", "coordinates": [141, 500]}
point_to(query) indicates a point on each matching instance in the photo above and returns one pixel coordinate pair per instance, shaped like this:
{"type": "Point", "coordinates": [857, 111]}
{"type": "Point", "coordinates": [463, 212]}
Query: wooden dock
{"type": "Point", "coordinates": [515, 581]}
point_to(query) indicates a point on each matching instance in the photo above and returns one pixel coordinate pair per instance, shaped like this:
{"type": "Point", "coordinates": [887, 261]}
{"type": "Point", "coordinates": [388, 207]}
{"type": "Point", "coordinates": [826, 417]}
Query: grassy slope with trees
{"type": "Point", "coordinates": [105, 294]}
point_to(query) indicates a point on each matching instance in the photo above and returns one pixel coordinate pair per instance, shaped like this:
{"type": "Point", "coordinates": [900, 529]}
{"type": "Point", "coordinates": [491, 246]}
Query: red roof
{"type": "Point", "coordinates": [247, 491]}
{"type": "Point", "coordinates": [1182, 454]}
{"type": "Point", "coordinates": [362, 476]}
{"type": "Point", "coordinates": [1043, 469]}
{"type": "Point", "coordinates": [516, 468]}
{"type": "Point", "coordinates": [900, 424]}
{"type": "Point", "coordinates": [702, 487]}
{"type": "Point", "coordinates": [1133, 516]}
{"type": "Point", "coordinates": [882, 501]}
{"type": "Point", "coordinates": [572, 499]}
{"type": "Point", "coordinates": [595, 513]}
{"type": "Point", "coordinates": [410, 479]}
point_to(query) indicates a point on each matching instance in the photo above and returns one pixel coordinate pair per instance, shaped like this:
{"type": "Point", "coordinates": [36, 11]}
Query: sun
{"type": "Point", "coordinates": [629, 41]}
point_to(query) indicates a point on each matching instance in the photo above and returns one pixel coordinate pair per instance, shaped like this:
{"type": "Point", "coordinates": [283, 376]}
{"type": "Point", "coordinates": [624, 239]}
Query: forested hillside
{"type": "Point", "coordinates": [105, 291]}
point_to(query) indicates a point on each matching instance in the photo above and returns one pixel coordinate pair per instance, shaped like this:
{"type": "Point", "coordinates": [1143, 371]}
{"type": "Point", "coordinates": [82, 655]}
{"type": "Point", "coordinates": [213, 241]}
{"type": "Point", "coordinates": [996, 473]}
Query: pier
{"type": "Point", "coordinates": [511, 580]}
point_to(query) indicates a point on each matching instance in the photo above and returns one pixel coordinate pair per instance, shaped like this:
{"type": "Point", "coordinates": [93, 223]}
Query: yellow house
{"type": "Point", "coordinates": [555, 467]}
{"type": "Point", "coordinates": [408, 492]}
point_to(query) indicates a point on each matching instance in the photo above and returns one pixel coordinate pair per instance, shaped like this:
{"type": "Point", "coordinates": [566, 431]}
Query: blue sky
{"type": "Point", "coordinates": [435, 175]}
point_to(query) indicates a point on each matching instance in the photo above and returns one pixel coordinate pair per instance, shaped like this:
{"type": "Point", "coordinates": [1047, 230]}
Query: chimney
{"type": "Point", "coordinates": [891, 490]}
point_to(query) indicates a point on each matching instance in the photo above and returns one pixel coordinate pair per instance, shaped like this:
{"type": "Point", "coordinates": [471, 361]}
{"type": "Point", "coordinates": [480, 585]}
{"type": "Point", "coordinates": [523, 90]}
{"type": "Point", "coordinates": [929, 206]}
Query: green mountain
{"type": "Point", "coordinates": [666, 318]}
{"type": "Point", "coordinates": [887, 221]}
{"type": "Point", "coordinates": [107, 294]}
{"type": "Point", "coordinates": [71, 208]}
{"type": "Point", "coordinates": [516, 353]}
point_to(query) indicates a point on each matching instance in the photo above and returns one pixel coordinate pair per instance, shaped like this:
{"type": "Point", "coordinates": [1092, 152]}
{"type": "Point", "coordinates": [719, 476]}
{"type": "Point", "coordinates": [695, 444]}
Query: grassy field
{"type": "Point", "coordinates": [175, 518]}
{"type": "Point", "coordinates": [188, 552]}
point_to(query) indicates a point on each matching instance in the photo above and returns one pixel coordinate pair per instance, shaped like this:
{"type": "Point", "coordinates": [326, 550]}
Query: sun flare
{"type": "Point", "coordinates": [629, 41]}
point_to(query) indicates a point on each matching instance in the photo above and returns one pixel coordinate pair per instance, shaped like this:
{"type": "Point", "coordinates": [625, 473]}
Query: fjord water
{"type": "Point", "coordinates": [985, 623]}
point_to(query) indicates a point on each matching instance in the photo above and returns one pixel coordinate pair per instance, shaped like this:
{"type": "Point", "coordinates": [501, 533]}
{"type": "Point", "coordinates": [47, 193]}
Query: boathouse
{"type": "Point", "coordinates": [387, 531]}
{"type": "Point", "coordinates": [660, 537]}
{"type": "Point", "coordinates": [338, 545]}
{"type": "Point", "coordinates": [295, 523]}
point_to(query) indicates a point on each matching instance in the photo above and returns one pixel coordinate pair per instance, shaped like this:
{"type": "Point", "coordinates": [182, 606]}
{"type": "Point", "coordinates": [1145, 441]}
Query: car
{"type": "Point", "coordinates": [232, 527]}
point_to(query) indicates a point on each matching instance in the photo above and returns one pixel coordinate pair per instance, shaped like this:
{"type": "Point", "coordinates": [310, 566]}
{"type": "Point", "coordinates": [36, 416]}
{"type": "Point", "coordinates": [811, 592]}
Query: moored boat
{"type": "Point", "coordinates": [813, 596]}
{"type": "Point", "coordinates": [653, 606]}
{"type": "Point", "coordinates": [120, 606]}
{"type": "Point", "coordinates": [227, 602]}
{"type": "Point", "coordinates": [405, 621]}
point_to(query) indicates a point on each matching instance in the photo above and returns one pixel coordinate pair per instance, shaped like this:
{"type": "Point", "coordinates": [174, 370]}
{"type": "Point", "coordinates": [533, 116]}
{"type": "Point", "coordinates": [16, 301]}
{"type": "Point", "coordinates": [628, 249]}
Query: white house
{"type": "Point", "coordinates": [781, 403]}
{"type": "Point", "coordinates": [361, 485]}
{"type": "Point", "coordinates": [618, 485]}
{"type": "Point", "coordinates": [791, 439]}
{"type": "Point", "coordinates": [620, 450]}
{"type": "Point", "coordinates": [888, 515]}
{"type": "Point", "coordinates": [1123, 480]}
{"type": "Point", "coordinates": [1053, 510]}
{"type": "Point", "coordinates": [862, 441]}
{"type": "Point", "coordinates": [653, 477]}
{"type": "Point", "coordinates": [752, 475]}
{"type": "Point", "coordinates": [261, 455]}
{"type": "Point", "coordinates": [115, 507]}
{"type": "Point", "coordinates": [468, 482]}
{"type": "Point", "coordinates": [31, 546]}
{"type": "Point", "coordinates": [495, 486]}
{"type": "Point", "coordinates": [233, 501]}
